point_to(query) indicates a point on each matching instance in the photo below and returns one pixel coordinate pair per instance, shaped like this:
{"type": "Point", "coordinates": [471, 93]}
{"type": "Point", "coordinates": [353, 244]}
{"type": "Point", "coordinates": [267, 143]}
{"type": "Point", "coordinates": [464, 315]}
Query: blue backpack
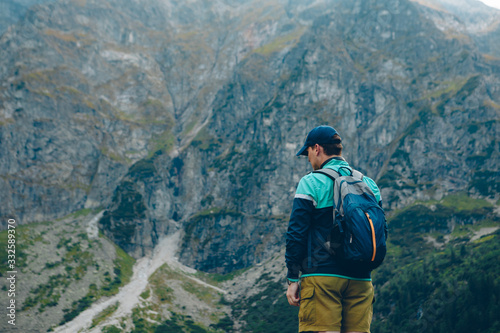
{"type": "Point", "coordinates": [360, 240]}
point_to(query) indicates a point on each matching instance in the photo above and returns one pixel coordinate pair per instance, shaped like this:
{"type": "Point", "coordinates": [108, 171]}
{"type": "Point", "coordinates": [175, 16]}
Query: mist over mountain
{"type": "Point", "coordinates": [185, 116]}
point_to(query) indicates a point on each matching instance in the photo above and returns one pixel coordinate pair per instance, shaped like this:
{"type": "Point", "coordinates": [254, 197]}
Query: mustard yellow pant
{"type": "Point", "coordinates": [329, 303]}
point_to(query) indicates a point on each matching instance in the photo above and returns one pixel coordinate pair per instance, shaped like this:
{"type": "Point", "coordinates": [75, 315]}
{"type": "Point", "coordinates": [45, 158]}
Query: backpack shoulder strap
{"type": "Point", "coordinates": [330, 173]}
{"type": "Point", "coordinates": [335, 174]}
{"type": "Point", "coordinates": [357, 175]}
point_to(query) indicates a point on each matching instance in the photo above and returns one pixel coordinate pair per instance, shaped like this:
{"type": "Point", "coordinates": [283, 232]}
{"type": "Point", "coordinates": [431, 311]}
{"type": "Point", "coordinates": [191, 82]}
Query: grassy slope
{"type": "Point", "coordinates": [61, 271]}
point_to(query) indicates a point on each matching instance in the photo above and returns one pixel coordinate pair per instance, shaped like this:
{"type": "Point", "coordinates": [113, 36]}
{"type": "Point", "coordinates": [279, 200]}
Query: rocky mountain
{"type": "Point", "coordinates": [185, 116]}
{"type": "Point", "coordinates": [11, 11]}
{"type": "Point", "coordinates": [469, 18]}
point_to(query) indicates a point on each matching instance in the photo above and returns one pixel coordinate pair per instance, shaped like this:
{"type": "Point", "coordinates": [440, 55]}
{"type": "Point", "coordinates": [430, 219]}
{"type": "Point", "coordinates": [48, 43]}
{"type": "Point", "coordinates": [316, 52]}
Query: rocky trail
{"type": "Point", "coordinates": [129, 295]}
{"type": "Point", "coordinates": [483, 232]}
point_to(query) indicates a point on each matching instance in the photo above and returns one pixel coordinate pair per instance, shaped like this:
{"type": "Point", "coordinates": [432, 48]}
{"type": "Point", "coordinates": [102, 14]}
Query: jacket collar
{"type": "Point", "coordinates": [334, 160]}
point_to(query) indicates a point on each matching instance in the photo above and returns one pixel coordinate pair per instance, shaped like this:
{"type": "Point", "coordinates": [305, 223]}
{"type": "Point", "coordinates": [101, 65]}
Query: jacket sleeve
{"type": "Point", "coordinates": [296, 236]}
{"type": "Point", "coordinates": [376, 191]}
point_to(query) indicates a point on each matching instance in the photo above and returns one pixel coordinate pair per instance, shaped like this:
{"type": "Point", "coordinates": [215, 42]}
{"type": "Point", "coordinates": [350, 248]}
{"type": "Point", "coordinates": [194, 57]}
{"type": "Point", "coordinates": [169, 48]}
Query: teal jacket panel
{"type": "Point", "coordinates": [318, 188]}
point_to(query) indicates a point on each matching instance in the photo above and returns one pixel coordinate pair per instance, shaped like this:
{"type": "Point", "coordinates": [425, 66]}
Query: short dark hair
{"type": "Point", "coordinates": [333, 148]}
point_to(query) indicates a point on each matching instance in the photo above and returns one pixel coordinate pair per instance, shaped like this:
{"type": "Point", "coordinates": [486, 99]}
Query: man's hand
{"type": "Point", "coordinates": [292, 294]}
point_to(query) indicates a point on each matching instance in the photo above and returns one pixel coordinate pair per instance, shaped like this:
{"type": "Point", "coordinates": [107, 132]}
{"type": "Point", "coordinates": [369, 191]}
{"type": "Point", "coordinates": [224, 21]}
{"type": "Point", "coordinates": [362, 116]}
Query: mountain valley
{"type": "Point", "coordinates": [148, 156]}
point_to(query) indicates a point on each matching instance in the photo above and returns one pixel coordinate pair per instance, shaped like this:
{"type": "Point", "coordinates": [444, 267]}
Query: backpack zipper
{"type": "Point", "coordinates": [374, 242]}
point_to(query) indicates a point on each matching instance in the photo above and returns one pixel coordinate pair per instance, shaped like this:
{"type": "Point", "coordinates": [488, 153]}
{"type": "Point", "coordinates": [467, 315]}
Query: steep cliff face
{"type": "Point", "coordinates": [187, 115]}
{"type": "Point", "coordinates": [89, 88]}
{"type": "Point", "coordinates": [13, 10]}
{"type": "Point", "coordinates": [415, 108]}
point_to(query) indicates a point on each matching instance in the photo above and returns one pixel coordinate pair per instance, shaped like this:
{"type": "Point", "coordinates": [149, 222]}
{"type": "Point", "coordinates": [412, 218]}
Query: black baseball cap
{"type": "Point", "coordinates": [320, 135]}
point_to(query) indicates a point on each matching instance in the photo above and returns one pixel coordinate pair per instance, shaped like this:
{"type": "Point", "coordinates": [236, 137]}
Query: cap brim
{"type": "Point", "coordinates": [303, 151]}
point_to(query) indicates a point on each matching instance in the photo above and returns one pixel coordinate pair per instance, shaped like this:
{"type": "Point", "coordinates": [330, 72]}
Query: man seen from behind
{"type": "Point", "coordinates": [333, 297]}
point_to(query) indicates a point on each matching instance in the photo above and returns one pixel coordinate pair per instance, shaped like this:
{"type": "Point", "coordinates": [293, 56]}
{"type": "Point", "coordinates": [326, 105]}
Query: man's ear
{"type": "Point", "coordinates": [317, 149]}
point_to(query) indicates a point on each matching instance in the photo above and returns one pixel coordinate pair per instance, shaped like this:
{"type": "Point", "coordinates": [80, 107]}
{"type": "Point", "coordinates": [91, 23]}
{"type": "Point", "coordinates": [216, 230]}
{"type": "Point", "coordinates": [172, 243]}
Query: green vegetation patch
{"type": "Point", "coordinates": [122, 274]}
{"type": "Point", "coordinates": [225, 324]}
{"type": "Point", "coordinates": [145, 294]}
{"type": "Point", "coordinates": [104, 314]}
{"type": "Point", "coordinates": [205, 294]}
{"type": "Point", "coordinates": [164, 142]}
{"type": "Point", "coordinates": [143, 169]}
{"type": "Point", "coordinates": [160, 285]}
{"type": "Point", "coordinates": [179, 323]}
{"type": "Point", "coordinates": [409, 225]}
{"type": "Point", "coordinates": [205, 141]}
{"type": "Point", "coordinates": [281, 42]}
{"type": "Point", "coordinates": [448, 88]}
{"type": "Point", "coordinates": [447, 291]}
{"type": "Point", "coordinates": [47, 295]}
{"type": "Point", "coordinates": [120, 221]}
{"type": "Point", "coordinates": [470, 85]}
{"type": "Point", "coordinates": [486, 182]}
{"type": "Point", "coordinates": [123, 271]}
{"type": "Point", "coordinates": [462, 202]}
{"type": "Point", "coordinates": [216, 278]}
{"type": "Point", "coordinates": [207, 216]}
{"type": "Point", "coordinates": [80, 305]}
{"type": "Point", "coordinates": [111, 329]}
{"type": "Point", "coordinates": [267, 311]}
{"type": "Point", "coordinates": [83, 212]}
{"type": "Point", "coordinates": [389, 180]}
{"type": "Point", "coordinates": [161, 289]}
{"type": "Point", "coordinates": [456, 91]}
{"type": "Point", "coordinates": [112, 155]}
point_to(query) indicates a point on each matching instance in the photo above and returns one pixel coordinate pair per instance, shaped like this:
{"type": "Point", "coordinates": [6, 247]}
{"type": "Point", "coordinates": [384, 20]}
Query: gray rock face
{"type": "Point", "coordinates": [188, 115]}
{"type": "Point", "coordinates": [468, 19]}
{"type": "Point", "coordinates": [13, 10]}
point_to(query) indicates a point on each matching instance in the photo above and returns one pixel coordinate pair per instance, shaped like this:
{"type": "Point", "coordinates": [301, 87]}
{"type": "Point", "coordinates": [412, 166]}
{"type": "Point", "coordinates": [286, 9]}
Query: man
{"type": "Point", "coordinates": [331, 296]}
